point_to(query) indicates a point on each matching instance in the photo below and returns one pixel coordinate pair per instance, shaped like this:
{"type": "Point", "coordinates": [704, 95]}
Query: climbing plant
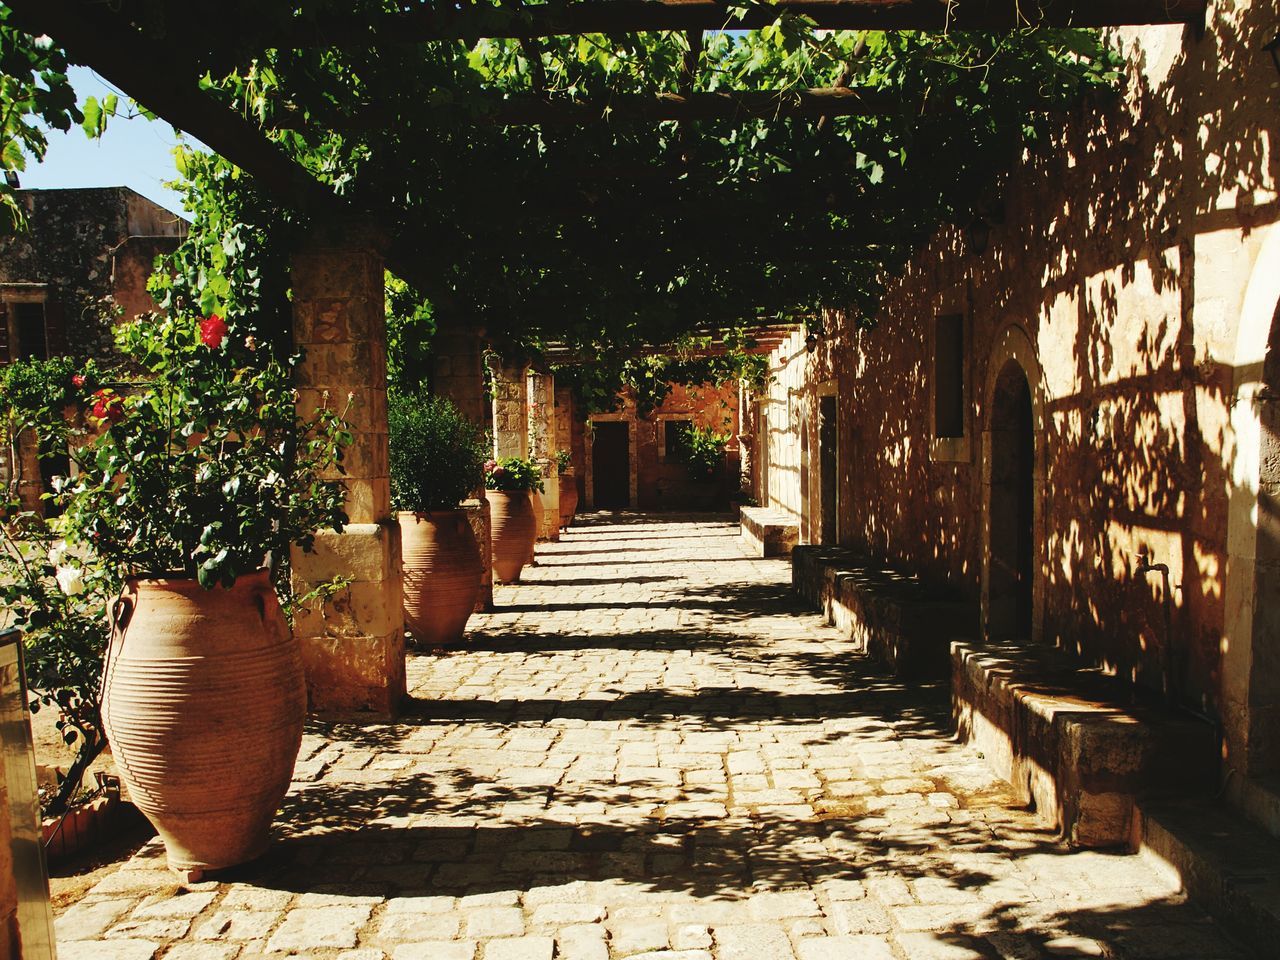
{"type": "Point", "coordinates": [625, 232]}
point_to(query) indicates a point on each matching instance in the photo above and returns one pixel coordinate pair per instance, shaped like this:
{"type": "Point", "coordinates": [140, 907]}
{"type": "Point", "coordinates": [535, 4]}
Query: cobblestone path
{"type": "Point", "coordinates": [650, 751]}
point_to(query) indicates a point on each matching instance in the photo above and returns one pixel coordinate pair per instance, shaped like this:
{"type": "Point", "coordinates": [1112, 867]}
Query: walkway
{"type": "Point", "coordinates": [650, 752]}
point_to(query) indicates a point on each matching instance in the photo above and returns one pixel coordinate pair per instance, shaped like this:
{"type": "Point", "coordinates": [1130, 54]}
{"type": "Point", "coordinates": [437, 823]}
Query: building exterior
{"type": "Point", "coordinates": [81, 265]}
{"type": "Point", "coordinates": [1069, 415]}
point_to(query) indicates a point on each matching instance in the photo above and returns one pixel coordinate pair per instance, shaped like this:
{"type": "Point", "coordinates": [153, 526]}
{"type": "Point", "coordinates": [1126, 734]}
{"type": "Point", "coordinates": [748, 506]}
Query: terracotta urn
{"type": "Point", "coordinates": [203, 703]}
{"type": "Point", "coordinates": [442, 574]}
{"type": "Point", "coordinates": [568, 499]}
{"type": "Point", "coordinates": [514, 529]}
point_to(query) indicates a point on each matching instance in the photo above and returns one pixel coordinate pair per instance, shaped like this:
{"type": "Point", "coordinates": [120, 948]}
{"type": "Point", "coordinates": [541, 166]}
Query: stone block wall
{"type": "Point", "coordinates": [1116, 281]}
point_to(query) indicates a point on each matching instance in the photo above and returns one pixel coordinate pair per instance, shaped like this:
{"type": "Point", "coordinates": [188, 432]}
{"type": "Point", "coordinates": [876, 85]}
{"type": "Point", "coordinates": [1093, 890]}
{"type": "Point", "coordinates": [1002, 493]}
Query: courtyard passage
{"type": "Point", "coordinates": [649, 751]}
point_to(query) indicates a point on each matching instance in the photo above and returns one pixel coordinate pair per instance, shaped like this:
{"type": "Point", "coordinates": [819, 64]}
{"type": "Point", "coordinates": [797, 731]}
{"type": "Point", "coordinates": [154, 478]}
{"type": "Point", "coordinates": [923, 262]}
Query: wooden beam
{"type": "Point", "coordinates": [530, 109]}
{"type": "Point", "coordinates": [149, 74]}
{"type": "Point", "coordinates": [567, 17]}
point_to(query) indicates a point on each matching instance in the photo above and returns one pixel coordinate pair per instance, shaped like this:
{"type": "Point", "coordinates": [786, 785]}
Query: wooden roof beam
{"type": "Point", "coordinates": [567, 17]}
{"type": "Point", "coordinates": [149, 74]}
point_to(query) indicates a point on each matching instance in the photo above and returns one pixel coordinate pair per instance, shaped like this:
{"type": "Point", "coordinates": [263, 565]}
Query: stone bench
{"type": "Point", "coordinates": [1071, 743]}
{"type": "Point", "coordinates": [769, 533]}
{"type": "Point", "coordinates": [889, 615]}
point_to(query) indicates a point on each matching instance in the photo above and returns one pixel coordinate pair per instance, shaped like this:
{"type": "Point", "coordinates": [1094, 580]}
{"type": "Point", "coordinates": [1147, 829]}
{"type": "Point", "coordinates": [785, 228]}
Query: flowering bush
{"type": "Point", "coordinates": [437, 454]}
{"type": "Point", "coordinates": [512, 473]}
{"type": "Point", "coordinates": [205, 468]}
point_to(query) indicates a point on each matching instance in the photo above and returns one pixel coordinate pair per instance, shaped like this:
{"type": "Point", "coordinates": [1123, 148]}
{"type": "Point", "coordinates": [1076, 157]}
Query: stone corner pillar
{"type": "Point", "coordinates": [353, 645]}
{"type": "Point", "coordinates": [542, 448]}
{"type": "Point", "coordinates": [510, 410]}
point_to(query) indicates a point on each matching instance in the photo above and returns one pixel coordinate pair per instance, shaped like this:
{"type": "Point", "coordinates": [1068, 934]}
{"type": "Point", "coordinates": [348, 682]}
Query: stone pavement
{"type": "Point", "coordinates": [650, 751]}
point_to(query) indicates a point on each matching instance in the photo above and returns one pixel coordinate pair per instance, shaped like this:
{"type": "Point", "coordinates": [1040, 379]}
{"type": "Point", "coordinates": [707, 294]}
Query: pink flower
{"type": "Point", "coordinates": [77, 380]}
{"type": "Point", "coordinates": [213, 330]}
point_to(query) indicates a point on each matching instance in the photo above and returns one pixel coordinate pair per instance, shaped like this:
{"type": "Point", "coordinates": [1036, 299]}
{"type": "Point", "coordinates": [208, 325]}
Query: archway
{"type": "Point", "coordinates": [1251, 647]}
{"type": "Point", "coordinates": [1011, 508]}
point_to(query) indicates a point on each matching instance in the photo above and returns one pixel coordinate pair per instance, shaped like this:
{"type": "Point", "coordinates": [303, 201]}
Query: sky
{"type": "Point", "coordinates": [134, 153]}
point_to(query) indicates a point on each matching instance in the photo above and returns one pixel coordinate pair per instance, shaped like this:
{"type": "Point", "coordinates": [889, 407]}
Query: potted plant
{"type": "Point", "coordinates": [202, 477]}
{"type": "Point", "coordinates": [508, 485]}
{"type": "Point", "coordinates": [437, 461]}
{"type": "Point", "coordinates": [568, 487]}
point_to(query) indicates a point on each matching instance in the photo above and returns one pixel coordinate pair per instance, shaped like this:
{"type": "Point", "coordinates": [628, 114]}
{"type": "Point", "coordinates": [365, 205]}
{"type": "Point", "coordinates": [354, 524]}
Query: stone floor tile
{"type": "Point", "coordinates": [436, 950]}
{"type": "Point", "coordinates": [519, 948]}
{"type": "Point", "coordinates": [215, 951]}
{"type": "Point", "coordinates": [107, 949]}
{"type": "Point", "coordinates": [844, 948]}
{"type": "Point", "coordinates": [311, 929]}
{"type": "Point", "coordinates": [752, 941]}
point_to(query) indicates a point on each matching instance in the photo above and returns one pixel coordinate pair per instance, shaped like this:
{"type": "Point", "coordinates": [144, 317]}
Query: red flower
{"type": "Point", "coordinates": [213, 330]}
{"type": "Point", "coordinates": [108, 407]}
{"type": "Point", "coordinates": [77, 380]}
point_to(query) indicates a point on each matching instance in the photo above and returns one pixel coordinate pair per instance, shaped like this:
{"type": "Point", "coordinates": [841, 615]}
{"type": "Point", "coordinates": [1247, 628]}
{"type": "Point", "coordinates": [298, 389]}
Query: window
{"type": "Point", "coordinates": [28, 324]}
{"type": "Point", "coordinates": [948, 377]}
{"type": "Point", "coordinates": [675, 440]}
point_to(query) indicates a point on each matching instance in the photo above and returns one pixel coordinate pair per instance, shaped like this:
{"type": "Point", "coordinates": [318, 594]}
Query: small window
{"type": "Point", "coordinates": [30, 328]}
{"type": "Point", "coordinates": [948, 377]}
{"type": "Point", "coordinates": [676, 440]}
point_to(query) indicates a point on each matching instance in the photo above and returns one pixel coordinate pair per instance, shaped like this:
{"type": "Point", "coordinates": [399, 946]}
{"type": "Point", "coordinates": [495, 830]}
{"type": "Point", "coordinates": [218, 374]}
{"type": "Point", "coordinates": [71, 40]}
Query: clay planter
{"type": "Point", "coordinates": [442, 571]}
{"type": "Point", "coordinates": [514, 529]}
{"type": "Point", "coordinates": [568, 500]}
{"type": "Point", "coordinates": [203, 703]}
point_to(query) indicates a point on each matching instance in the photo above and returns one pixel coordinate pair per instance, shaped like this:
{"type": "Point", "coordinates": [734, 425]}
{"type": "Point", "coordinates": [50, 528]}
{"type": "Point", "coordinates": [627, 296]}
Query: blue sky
{"type": "Point", "coordinates": [135, 153]}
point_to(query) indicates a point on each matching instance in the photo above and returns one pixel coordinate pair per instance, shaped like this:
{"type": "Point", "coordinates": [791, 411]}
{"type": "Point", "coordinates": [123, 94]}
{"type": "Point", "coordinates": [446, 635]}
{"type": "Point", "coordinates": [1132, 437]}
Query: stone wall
{"type": "Point", "coordinates": [659, 484]}
{"type": "Point", "coordinates": [1115, 282]}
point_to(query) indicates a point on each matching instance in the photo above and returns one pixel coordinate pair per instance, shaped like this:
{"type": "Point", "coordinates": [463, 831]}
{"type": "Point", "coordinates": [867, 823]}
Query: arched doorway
{"type": "Point", "coordinates": [1264, 676]}
{"type": "Point", "coordinates": [1011, 508]}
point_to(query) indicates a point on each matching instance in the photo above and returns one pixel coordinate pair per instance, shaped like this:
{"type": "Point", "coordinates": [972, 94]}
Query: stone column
{"type": "Point", "coordinates": [542, 447]}
{"type": "Point", "coordinates": [457, 372]}
{"type": "Point", "coordinates": [353, 644]}
{"type": "Point", "coordinates": [510, 410]}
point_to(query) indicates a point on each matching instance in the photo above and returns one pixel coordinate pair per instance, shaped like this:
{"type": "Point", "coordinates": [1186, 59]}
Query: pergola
{"type": "Point", "coordinates": [157, 54]}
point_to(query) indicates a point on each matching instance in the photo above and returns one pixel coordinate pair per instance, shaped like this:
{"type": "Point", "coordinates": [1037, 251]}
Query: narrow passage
{"type": "Point", "coordinates": [650, 751]}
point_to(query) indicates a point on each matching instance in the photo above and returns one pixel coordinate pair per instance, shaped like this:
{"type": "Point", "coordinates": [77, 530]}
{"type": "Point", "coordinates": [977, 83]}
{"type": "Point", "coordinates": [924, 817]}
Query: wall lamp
{"type": "Point", "coordinates": [811, 342]}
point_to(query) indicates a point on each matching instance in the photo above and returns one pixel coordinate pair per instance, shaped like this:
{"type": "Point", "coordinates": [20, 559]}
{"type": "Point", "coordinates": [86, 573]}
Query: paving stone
{"type": "Point", "coordinates": [240, 925]}
{"type": "Point", "coordinates": [561, 914]}
{"type": "Point", "coordinates": [752, 941]}
{"type": "Point", "coordinates": [779, 905]}
{"type": "Point", "coordinates": [844, 948]}
{"type": "Point", "coordinates": [107, 949]}
{"type": "Point", "coordinates": [520, 948]}
{"type": "Point", "coordinates": [419, 926]}
{"type": "Point", "coordinates": [436, 950]}
{"type": "Point", "coordinates": [89, 919]}
{"type": "Point", "coordinates": [636, 936]}
{"type": "Point", "coordinates": [165, 928]}
{"type": "Point", "coordinates": [859, 917]}
{"type": "Point", "coordinates": [495, 922]}
{"type": "Point", "coordinates": [933, 946]}
{"type": "Point", "coordinates": [581, 943]}
{"type": "Point", "coordinates": [218, 951]}
{"type": "Point", "coordinates": [311, 929]}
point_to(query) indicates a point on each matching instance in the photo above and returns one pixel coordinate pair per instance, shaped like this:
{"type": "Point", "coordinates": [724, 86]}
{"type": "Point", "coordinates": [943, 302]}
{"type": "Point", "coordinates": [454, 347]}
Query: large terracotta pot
{"type": "Point", "coordinates": [514, 529]}
{"type": "Point", "coordinates": [203, 703]}
{"type": "Point", "coordinates": [442, 572]}
{"type": "Point", "coordinates": [568, 499]}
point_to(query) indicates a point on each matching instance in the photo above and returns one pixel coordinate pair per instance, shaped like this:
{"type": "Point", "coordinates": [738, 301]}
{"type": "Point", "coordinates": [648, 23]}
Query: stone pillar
{"type": "Point", "coordinates": [542, 447]}
{"type": "Point", "coordinates": [510, 410]}
{"type": "Point", "coordinates": [457, 372]}
{"type": "Point", "coordinates": [353, 644]}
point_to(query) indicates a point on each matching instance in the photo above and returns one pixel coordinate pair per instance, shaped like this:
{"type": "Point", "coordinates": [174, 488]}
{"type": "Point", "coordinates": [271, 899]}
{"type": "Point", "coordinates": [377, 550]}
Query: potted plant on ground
{"type": "Point", "coordinates": [508, 485]}
{"type": "Point", "coordinates": [437, 461]}
{"type": "Point", "coordinates": [568, 487]}
{"type": "Point", "coordinates": [203, 476]}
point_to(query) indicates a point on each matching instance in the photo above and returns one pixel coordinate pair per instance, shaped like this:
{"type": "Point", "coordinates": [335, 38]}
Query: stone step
{"type": "Point", "coordinates": [1229, 865]}
{"type": "Point", "coordinates": [1258, 799]}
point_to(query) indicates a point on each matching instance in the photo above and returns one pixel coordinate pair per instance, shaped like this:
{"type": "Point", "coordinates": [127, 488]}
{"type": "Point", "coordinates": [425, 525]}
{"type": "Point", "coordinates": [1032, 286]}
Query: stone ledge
{"type": "Point", "coordinates": [1069, 741]}
{"type": "Point", "coordinates": [889, 615]}
{"type": "Point", "coordinates": [769, 533]}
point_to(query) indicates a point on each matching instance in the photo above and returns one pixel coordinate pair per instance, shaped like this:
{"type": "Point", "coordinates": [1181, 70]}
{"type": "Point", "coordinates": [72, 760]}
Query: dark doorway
{"type": "Point", "coordinates": [828, 458]}
{"type": "Point", "coordinates": [1012, 508]}
{"type": "Point", "coordinates": [611, 465]}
